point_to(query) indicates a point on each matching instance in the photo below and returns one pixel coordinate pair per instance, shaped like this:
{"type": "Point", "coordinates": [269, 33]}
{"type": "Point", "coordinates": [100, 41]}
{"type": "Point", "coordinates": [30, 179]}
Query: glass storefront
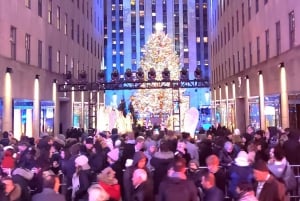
{"type": "Point", "coordinates": [221, 113]}
{"type": "Point", "coordinates": [22, 117]}
{"type": "Point", "coordinates": [77, 115]}
{"type": "Point", "coordinates": [254, 116]}
{"type": "Point", "coordinates": [272, 111]}
{"type": "Point", "coordinates": [47, 117]}
{"type": "Point", "coordinates": [231, 114]}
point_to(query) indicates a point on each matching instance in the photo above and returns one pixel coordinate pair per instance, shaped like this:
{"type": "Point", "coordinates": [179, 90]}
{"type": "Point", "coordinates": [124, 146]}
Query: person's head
{"type": "Point", "coordinates": [250, 129]}
{"type": "Point", "coordinates": [244, 187]}
{"type": "Point", "coordinates": [228, 146]}
{"type": "Point", "coordinates": [139, 144]}
{"type": "Point", "coordinates": [5, 134]}
{"type": "Point", "coordinates": [82, 162]}
{"type": "Point", "coordinates": [89, 143]}
{"type": "Point", "coordinates": [208, 180]}
{"type": "Point", "coordinates": [139, 176]}
{"type": "Point", "coordinates": [193, 165]}
{"type": "Point", "coordinates": [181, 145]}
{"type": "Point", "coordinates": [9, 184]}
{"type": "Point", "coordinates": [260, 170]}
{"type": "Point", "coordinates": [185, 135]}
{"type": "Point", "coordinates": [164, 146]}
{"type": "Point", "coordinates": [259, 134]}
{"type": "Point", "coordinates": [212, 163]}
{"type": "Point", "coordinates": [278, 152]}
{"type": "Point", "coordinates": [179, 165]}
{"type": "Point", "coordinates": [23, 145]}
{"type": "Point", "coordinates": [97, 193]}
{"type": "Point", "coordinates": [48, 179]}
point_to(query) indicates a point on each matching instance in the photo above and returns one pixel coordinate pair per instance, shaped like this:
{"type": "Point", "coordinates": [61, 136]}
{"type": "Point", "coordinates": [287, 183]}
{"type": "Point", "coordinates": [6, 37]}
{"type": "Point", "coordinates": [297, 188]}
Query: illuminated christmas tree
{"type": "Point", "coordinates": [159, 53]}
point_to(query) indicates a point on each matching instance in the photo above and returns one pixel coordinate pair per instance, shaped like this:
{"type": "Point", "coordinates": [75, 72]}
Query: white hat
{"type": "Point", "coordinates": [113, 154]}
{"type": "Point", "coordinates": [82, 161]}
{"type": "Point", "coordinates": [242, 159]}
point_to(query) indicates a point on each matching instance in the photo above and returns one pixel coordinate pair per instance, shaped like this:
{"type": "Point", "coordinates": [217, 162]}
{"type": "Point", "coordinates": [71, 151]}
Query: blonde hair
{"type": "Point", "coordinates": [97, 193]}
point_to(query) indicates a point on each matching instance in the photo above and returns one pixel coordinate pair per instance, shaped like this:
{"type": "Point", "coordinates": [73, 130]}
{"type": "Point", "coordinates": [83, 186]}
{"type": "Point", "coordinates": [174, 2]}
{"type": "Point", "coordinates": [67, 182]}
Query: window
{"type": "Point", "coordinates": [232, 26]}
{"type": "Point", "coordinates": [237, 21]}
{"type": "Point", "coordinates": [58, 18]}
{"type": "Point", "coordinates": [233, 64]}
{"type": "Point", "coordinates": [243, 14]}
{"type": "Point", "coordinates": [257, 49]}
{"type": "Point", "coordinates": [250, 54]}
{"type": "Point", "coordinates": [249, 10]}
{"type": "Point", "coordinates": [77, 3]}
{"type": "Point", "coordinates": [58, 60]}
{"type": "Point", "coordinates": [78, 34]}
{"type": "Point", "coordinates": [66, 24]}
{"type": "Point", "coordinates": [292, 28]}
{"type": "Point", "coordinates": [244, 57]}
{"type": "Point", "coordinates": [238, 61]}
{"type": "Point", "coordinates": [66, 64]}
{"type": "Point", "coordinates": [40, 53]}
{"type": "Point", "coordinates": [13, 42]}
{"type": "Point", "coordinates": [27, 48]}
{"type": "Point", "coordinates": [278, 38]}
{"type": "Point", "coordinates": [82, 38]}
{"type": "Point", "coordinates": [228, 30]}
{"type": "Point", "coordinates": [225, 35]}
{"type": "Point", "coordinates": [266, 1]}
{"type": "Point", "coordinates": [28, 3]}
{"type": "Point", "coordinates": [50, 11]}
{"type": "Point", "coordinates": [256, 6]}
{"type": "Point", "coordinates": [267, 44]}
{"type": "Point", "coordinates": [40, 8]}
{"type": "Point", "coordinates": [50, 58]}
{"type": "Point", "coordinates": [87, 41]}
{"type": "Point", "coordinates": [72, 29]}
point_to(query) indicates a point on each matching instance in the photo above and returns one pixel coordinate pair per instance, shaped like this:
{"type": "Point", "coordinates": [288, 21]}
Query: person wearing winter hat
{"type": "Point", "coordinates": [82, 177]}
{"type": "Point", "coordinates": [194, 173]}
{"type": "Point", "coordinates": [113, 156]}
{"type": "Point", "coordinates": [97, 193]}
{"type": "Point", "coordinates": [109, 183]}
{"type": "Point", "coordinates": [268, 187]}
{"type": "Point", "coordinates": [239, 171]}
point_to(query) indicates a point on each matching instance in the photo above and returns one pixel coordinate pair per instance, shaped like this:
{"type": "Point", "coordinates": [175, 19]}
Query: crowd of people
{"type": "Point", "coordinates": [150, 166]}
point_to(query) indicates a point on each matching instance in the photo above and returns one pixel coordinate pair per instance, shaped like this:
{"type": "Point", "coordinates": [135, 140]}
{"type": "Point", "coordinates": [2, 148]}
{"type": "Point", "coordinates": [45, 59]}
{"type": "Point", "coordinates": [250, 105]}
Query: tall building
{"type": "Point", "coordinates": [40, 41]}
{"type": "Point", "coordinates": [128, 25]}
{"type": "Point", "coordinates": [254, 59]}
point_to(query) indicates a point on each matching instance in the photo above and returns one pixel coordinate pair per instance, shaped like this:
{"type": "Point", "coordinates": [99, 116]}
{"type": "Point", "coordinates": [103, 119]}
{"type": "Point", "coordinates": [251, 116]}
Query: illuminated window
{"type": "Point", "coordinates": [27, 48]}
{"type": "Point", "coordinates": [28, 3]}
{"type": "Point", "coordinates": [50, 11]}
{"type": "Point", "coordinates": [58, 18]}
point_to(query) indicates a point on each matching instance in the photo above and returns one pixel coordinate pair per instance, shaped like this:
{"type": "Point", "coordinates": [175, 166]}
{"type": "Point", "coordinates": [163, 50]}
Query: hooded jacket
{"type": "Point", "coordinates": [127, 183]}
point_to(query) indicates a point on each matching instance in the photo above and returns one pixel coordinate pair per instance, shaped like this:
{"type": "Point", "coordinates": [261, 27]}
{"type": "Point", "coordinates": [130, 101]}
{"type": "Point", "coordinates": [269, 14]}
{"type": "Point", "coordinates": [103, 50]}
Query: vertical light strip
{"type": "Point", "coordinates": [247, 111]}
{"type": "Point", "coordinates": [55, 112]}
{"type": "Point", "coordinates": [72, 105]}
{"type": "Point", "coordinates": [215, 106]}
{"type": "Point", "coordinates": [233, 91]}
{"type": "Point", "coordinates": [82, 110]}
{"type": "Point", "coordinates": [7, 103]}
{"type": "Point", "coordinates": [226, 114]}
{"type": "Point", "coordinates": [284, 106]}
{"type": "Point", "coordinates": [35, 130]}
{"type": "Point", "coordinates": [261, 100]}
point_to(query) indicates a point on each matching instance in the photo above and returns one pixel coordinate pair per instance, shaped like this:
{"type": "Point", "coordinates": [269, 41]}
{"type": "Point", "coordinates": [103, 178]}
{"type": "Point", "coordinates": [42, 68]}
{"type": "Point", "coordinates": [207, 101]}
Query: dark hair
{"type": "Point", "coordinates": [279, 152]}
{"type": "Point", "coordinates": [245, 186]}
{"type": "Point", "coordinates": [179, 164]}
{"type": "Point", "coordinates": [5, 134]}
{"type": "Point", "coordinates": [49, 181]}
{"type": "Point", "coordinates": [164, 146]}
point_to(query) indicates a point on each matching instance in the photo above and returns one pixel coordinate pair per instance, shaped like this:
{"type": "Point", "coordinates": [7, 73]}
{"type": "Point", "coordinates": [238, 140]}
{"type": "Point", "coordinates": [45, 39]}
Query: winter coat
{"type": "Point", "coordinates": [213, 194]}
{"type": "Point", "coordinates": [226, 159]}
{"type": "Point", "coordinates": [272, 190]}
{"type": "Point", "coordinates": [8, 161]}
{"type": "Point", "coordinates": [238, 174]}
{"type": "Point", "coordinates": [48, 194]}
{"type": "Point", "coordinates": [247, 196]}
{"type": "Point", "coordinates": [144, 192]}
{"type": "Point", "coordinates": [127, 182]}
{"type": "Point", "coordinates": [84, 183]}
{"type": "Point", "coordinates": [177, 189]}
{"type": "Point", "coordinates": [160, 162]}
{"type": "Point", "coordinates": [110, 184]}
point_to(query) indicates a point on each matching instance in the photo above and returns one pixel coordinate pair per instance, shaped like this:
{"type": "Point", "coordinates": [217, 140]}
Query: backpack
{"type": "Point", "coordinates": [288, 178]}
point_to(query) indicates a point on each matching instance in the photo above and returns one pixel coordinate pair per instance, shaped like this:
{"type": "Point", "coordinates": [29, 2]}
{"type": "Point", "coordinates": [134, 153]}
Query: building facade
{"type": "Point", "coordinates": [254, 59]}
{"type": "Point", "coordinates": [128, 25]}
{"type": "Point", "coordinates": [42, 40]}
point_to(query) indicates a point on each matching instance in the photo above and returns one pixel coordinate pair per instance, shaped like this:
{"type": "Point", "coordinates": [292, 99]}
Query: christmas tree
{"type": "Point", "coordinates": [159, 53]}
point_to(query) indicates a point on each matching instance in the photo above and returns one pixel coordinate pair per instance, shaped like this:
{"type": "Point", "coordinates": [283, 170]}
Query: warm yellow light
{"type": "Point", "coordinates": [159, 27]}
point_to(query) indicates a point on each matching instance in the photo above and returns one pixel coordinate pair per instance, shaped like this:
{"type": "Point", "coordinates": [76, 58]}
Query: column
{"type": "Point", "coordinates": [284, 104]}
{"type": "Point", "coordinates": [261, 101]}
{"type": "Point", "coordinates": [7, 101]}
